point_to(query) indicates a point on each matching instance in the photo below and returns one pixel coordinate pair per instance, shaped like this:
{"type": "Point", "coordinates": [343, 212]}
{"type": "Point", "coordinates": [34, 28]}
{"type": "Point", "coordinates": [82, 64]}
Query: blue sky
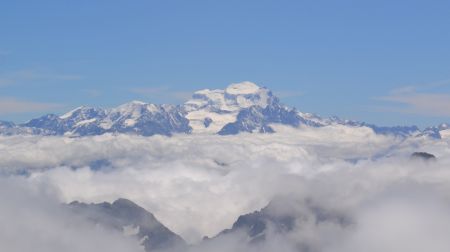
{"type": "Point", "coordinates": [384, 62]}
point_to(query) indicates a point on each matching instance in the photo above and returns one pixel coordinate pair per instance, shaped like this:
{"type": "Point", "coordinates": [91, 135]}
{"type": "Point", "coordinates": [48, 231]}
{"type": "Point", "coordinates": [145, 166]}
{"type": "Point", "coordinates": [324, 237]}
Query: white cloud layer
{"type": "Point", "coordinates": [198, 185]}
{"type": "Point", "coordinates": [10, 105]}
{"type": "Point", "coordinates": [32, 220]}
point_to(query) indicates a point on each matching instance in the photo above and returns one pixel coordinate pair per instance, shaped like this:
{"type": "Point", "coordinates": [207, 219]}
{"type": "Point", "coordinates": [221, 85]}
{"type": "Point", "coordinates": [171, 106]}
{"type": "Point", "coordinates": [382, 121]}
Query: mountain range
{"type": "Point", "coordinates": [131, 220]}
{"type": "Point", "coordinates": [241, 107]}
{"type": "Point", "coordinates": [282, 217]}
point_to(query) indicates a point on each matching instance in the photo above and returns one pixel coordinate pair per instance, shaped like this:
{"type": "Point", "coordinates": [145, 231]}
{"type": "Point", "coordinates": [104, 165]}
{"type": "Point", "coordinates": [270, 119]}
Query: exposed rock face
{"type": "Point", "coordinates": [257, 119]}
{"type": "Point", "coordinates": [423, 156]}
{"type": "Point", "coordinates": [132, 220]}
{"type": "Point", "coordinates": [132, 118]}
{"type": "Point", "coordinates": [283, 217]}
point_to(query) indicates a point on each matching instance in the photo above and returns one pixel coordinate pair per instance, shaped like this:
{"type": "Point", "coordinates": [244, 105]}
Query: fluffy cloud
{"type": "Point", "coordinates": [199, 185]}
{"type": "Point", "coordinates": [32, 220]}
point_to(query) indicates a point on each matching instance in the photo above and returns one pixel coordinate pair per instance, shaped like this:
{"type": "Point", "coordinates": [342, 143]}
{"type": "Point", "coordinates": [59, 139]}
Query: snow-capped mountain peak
{"type": "Point", "coordinates": [70, 113]}
{"type": "Point", "coordinates": [210, 110]}
{"type": "Point", "coordinates": [83, 113]}
{"type": "Point", "coordinates": [132, 109]}
{"type": "Point", "coordinates": [240, 107]}
{"type": "Point", "coordinates": [236, 96]}
{"type": "Point", "coordinates": [247, 94]}
{"type": "Point", "coordinates": [145, 118]}
{"type": "Point", "coordinates": [243, 88]}
{"type": "Point", "coordinates": [129, 107]}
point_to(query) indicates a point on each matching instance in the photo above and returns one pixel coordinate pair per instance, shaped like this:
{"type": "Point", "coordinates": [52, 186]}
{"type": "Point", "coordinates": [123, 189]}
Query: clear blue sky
{"type": "Point", "coordinates": [384, 62]}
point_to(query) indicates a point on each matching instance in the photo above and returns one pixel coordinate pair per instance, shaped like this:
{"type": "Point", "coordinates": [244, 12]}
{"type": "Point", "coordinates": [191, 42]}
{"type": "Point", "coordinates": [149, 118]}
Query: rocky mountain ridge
{"type": "Point", "coordinates": [241, 107]}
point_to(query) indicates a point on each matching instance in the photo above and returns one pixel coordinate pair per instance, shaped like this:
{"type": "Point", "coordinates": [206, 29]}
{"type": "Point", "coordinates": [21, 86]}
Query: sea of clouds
{"type": "Point", "coordinates": [197, 185]}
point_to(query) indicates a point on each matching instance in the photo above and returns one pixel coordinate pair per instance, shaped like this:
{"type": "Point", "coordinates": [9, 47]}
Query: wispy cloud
{"type": "Point", "coordinates": [93, 93]}
{"type": "Point", "coordinates": [9, 105]}
{"type": "Point", "coordinates": [428, 104]}
{"type": "Point", "coordinates": [418, 99]}
{"type": "Point", "coordinates": [29, 75]}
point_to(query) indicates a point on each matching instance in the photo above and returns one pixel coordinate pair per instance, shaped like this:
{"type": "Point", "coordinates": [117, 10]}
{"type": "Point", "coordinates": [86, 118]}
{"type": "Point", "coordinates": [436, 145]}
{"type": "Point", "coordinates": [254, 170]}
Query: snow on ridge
{"type": "Point", "coordinates": [242, 107]}
{"type": "Point", "coordinates": [84, 122]}
{"type": "Point", "coordinates": [243, 88]}
{"type": "Point", "coordinates": [235, 97]}
{"type": "Point", "coordinates": [129, 105]}
{"type": "Point", "coordinates": [70, 113]}
{"type": "Point", "coordinates": [222, 106]}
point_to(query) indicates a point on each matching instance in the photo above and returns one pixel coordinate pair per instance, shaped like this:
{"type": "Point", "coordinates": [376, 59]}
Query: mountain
{"type": "Point", "coordinates": [442, 130]}
{"type": "Point", "coordinates": [283, 219]}
{"type": "Point", "coordinates": [241, 107]}
{"type": "Point", "coordinates": [210, 110]}
{"type": "Point", "coordinates": [130, 219]}
{"type": "Point", "coordinates": [258, 119]}
{"type": "Point", "coordinates": [132, 118]}
{"type": "Point", "coordinates": [10, 128]}
{"type": "Point", "coordinates": [423, 155]}
{"type": "Point", "coordinates": [146, 119]}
